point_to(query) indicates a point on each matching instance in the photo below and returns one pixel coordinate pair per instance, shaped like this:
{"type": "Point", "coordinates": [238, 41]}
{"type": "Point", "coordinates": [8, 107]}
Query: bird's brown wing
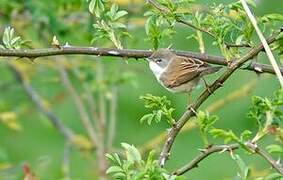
{"type": "Point", "coordinates": [181, 70]}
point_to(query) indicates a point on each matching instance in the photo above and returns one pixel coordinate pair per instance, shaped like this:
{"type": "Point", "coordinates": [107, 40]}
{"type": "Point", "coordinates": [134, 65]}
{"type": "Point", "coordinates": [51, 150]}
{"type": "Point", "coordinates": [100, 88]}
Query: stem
{"type": "Point", "coordinates": [127, 53]}
{"type": "Point", "coordinates": [264, 42]}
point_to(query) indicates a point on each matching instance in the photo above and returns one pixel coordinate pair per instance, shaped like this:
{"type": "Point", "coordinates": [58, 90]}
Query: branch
{"type": "Point", "coordinates": [204, 96]}
{"type": "Point", "coordinates": [84, 117]}
{"type": "Point", "coordinates": [265, 44]}
{"type": "Point", "coordinates": [126, 53]}
{"type": "Point", "coordinates": [191, 25]}
{"type": "Point", "coordinates": [204, 154]}
{"type": "Point", "coordinates": [221, 148]}
{"type": "Point", "coordinates": [35, 98]}
{"type": "Point", "coordinates": [276, 165]}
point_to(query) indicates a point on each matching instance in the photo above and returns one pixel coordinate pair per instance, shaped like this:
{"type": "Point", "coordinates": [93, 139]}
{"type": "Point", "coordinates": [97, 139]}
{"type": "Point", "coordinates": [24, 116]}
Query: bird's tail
{"type": "Point", "coordinates": [211, 69]}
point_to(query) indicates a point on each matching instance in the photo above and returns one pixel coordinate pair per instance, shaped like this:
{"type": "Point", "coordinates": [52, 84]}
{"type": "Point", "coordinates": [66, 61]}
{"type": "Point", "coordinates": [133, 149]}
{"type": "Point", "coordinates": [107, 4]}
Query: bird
{"type": "Point", "coordinates": [178, 73]}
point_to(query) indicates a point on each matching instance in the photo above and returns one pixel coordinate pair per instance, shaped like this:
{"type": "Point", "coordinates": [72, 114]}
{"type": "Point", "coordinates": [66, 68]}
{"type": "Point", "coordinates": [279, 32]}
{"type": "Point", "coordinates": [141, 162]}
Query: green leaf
{"type": "Point", "coordinates": [91, 6]}
{"type": "Point", "coordinates": [244, 169]}
{"type": "Point", "coordinates": [114, 169]}
{"type": "Point", "coordinates": [245, 135]}
{"type": "Point", "coordinates": [132, 153]}
{"type": "Point", "coordinates": [120, 14]}
{"type": "Point", "coordinates": [272, 17]}
{"type": "Point", "coordinates": [148, 118]}
{"type": "Point", "coordinates": [274, 148]}
{"type": "Point", "coordinates": [227, 136]}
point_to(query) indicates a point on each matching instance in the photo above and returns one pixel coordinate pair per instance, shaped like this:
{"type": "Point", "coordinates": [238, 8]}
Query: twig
{"type": "Point", "coordinates": [112, 118]}
{"type": "Point", "coordinates": [78, 102]}
{"type": "Point", "coordinates": [101, 123]}
{"type": "Point", "coordinates": [127, 53]}
{"type": "Point", "coordinates": [221, 148]}
{"type": "Point", "coordinates": [276, 165]}
{"type": "Point", "coordinates": [35, 98]}
{"type": "Point", "coordinates": [264, 42]}
{"type": "Point", "coordinates": [204, 154]}
{"type": "Point", "coordinates": [66, 162]}
{"type": "Point", "coordinates": [173, 132]}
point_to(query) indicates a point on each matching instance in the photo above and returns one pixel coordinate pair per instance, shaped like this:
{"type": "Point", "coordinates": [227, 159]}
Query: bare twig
{"type": "Point", "coordinates": [173, 132]}
{"type": "Point", "coordinates": [128, 53]}
{"type": "Point", "coordinates": [66, 162]}
{"type": "Point", "coordinates": [221, 148]}
{"type": "Point", "coordinates": [35, 98]}
{"type": "Point", "coordinates": [112, 118]}
{"type": "Point", "coordinates": [204, 154]}
{"type": "Point", "coordinates": [264, 42]}
{"type": "Point", "coordinates": [101, 122]}
{"type": "Point", "coordinates": [78, 102]}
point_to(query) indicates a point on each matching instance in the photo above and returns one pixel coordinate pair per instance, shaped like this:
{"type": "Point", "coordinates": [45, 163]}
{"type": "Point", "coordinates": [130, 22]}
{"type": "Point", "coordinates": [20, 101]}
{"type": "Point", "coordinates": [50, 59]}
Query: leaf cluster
{"type": "Point", "coordinates": [133, 167]}
{"type": "Point", "coordinates": [11, 41]}
{"type": "Point", "coordinates": [108, 24]}
{"type": "Point", "coordinates": [160, 107]}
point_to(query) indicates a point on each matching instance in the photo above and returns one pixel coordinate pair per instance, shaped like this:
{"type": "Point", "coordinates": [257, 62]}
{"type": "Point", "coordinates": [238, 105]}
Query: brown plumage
{"type": "Point", "coordinates": [180, 73]}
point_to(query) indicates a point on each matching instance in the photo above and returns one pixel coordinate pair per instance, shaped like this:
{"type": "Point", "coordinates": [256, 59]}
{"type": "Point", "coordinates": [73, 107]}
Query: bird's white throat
{"type": "Point", "coordinates": [157, 70]}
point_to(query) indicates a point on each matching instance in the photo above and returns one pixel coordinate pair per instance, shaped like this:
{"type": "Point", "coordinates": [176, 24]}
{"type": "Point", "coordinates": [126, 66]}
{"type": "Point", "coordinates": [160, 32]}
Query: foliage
{"type": "Point", "coordinates": [133, 167]}
{"type": "Point", "coordinates": [205, 123]}
{"type": "Point", "coordinates": [107, 24]}
{"type": "Point", "coordinates": [160, 108]}
{"type": "Point", "coordinates": [10, 41]}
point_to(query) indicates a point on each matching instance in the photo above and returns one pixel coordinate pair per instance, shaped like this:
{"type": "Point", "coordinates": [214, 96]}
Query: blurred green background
{"type": "Point", "coordinates": [36, 142]}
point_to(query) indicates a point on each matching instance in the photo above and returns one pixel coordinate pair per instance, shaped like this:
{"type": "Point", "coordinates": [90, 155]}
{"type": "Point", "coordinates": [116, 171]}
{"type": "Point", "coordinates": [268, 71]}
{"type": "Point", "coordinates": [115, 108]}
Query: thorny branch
{"type": "Point", "coordinates": [174, 131]}
{"type": "Point", "coordinates": [229, 147]}
{"type": "Point", "coordinates": [126, 53]}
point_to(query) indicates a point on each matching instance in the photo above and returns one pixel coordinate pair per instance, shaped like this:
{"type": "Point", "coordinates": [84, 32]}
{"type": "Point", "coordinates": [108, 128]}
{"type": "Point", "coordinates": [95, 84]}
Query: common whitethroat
{"type": "Point", "coordinates": [178, 73]}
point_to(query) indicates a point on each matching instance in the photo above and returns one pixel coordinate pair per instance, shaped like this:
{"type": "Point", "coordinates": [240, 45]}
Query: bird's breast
{"type": "Point", "coordinates": [157, 70]}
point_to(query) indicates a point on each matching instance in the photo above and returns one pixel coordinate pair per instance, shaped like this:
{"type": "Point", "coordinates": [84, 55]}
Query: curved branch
{"type": "Point", "coordinates": [190, 112]}
{"type": "Point", "coordinates": [204, 154]}
{"type": "Point", "coordinates": [230, 147]}
{"type": "Point", "coordinates": [126, 53]}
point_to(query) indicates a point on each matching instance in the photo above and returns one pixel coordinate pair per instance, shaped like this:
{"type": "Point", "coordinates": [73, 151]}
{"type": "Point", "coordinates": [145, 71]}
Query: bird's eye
{"type": "Point", "coordinates": [158, 60]}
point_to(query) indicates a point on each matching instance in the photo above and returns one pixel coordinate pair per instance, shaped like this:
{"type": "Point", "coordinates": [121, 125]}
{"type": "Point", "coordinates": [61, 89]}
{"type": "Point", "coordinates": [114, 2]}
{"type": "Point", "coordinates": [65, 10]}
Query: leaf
{"type": "Point", "coordinates": [251, 2]}
{"type": "Point", "coordinates": [227, 136]}
{"type": "Point", "coordinates": [272, 17]}
{"type": "Point", "coordinates": [274, 148]}
{"type": "Point", "coordinates": [132, 153]}
{"type": "Point", "coordinates": [148, 118]}
{"type": "Point", "coordinates": [114, 169]}
{"type": "Point", "coordinates": [120, 14]}
{"type": "Point", "coordinates": [91, 6]}
{"type": "Point", "coordinates": [244, 169]}
{"type": "Point", "coordinates": [245, 135]}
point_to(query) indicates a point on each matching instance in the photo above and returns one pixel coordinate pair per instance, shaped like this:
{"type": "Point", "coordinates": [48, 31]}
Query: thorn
{"type": "Point", "coordinates": [207, 86]}
{"type": "Point", "coordinates": [66, 45]}
{"type": "Point", "coordinates": [192, 109]}
{"type": "Point", "coordinates": [223, 150]}
{"type": "Point", "coordinates": [220, 84]}
{"type": "Point", "coordinates": [202, 150]}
